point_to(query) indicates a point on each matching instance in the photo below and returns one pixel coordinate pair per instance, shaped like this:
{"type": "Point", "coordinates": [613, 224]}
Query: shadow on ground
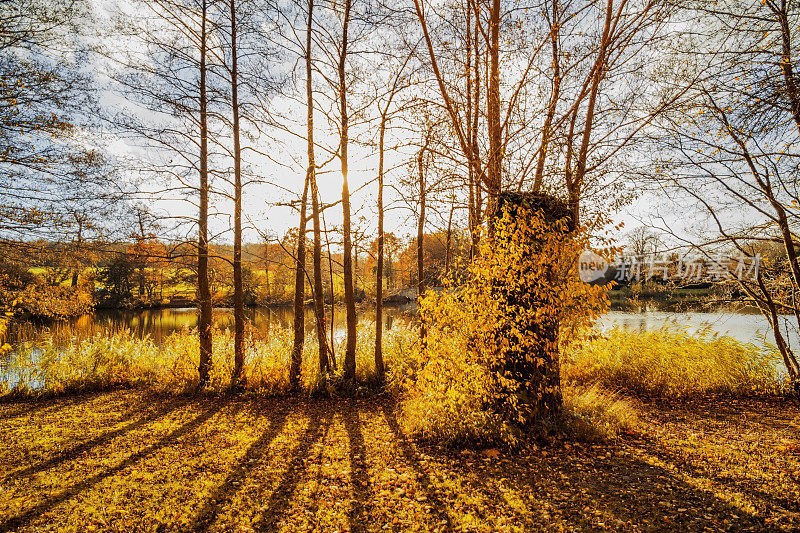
{"type": "Point", "coordinates": [128, 460]}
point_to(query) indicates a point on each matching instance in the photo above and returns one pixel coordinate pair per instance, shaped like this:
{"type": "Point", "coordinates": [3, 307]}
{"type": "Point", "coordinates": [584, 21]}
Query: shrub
{"type": "Point", "coordinates": [54, 301]}
{"type": "Point", "coordinates": [671, 362]}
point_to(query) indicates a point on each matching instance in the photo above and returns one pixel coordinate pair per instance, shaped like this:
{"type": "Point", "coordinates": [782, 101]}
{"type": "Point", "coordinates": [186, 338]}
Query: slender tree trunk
{"type": "Point", "coordinates": [551, 109]}
{"type": "Point", "coordinates": [449, 239]}
{"type": "Point", "coordinates": [599, 72]}
{"type": "Point", "coordinates": [473, 227]}
{"type": "Point", "coordinates": [789, 358]}
{"type": "Point", "coordinates": [356, 243]}
{"type": "Point", "coordinates": [476, 154]}
{"type": "Point", "coordinates": [319, 296]}
{"type": "Point", "coordinates": [79, 242]}
{"type": "Point", "coordinates": [267, 284]}
{"type": "Point", "coordinates": [299, 296]}
{"type": "Point", "coordinates": [380, 371]}
{"type": "Point", "coordinates": [350, 304]}
{"type": "Point", "coordinates": [333, 295]}
{"type": "Point", "coordinates": [494, 174]}
{"type": "Point", "coordinates": [421, 237]}
{"type": "Point", "coordinates": [787, 61]}
{"type": "Point", "coordinates": [458, 127]}
{"type": "Point", "coordinates": [238, 288]}
{"type": "Point", "coordinates": [203, 289]}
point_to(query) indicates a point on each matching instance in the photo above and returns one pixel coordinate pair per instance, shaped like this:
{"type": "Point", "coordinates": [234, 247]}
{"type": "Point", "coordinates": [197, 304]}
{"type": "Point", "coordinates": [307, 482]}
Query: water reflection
{"type": "Point", "coordinates": [744, 327]}
{"type": "Point", "coordinates": [160, 323]}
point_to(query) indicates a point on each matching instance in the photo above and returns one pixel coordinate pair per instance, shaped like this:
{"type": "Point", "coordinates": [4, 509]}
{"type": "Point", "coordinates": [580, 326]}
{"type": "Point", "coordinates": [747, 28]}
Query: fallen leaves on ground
{"type": "Point", "coordinates": [130, 460]}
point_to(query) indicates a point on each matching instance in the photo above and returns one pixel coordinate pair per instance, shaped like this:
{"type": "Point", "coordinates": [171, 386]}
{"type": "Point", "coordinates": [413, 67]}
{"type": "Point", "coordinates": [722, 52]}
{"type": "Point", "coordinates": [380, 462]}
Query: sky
{"type": "Point", "coordinates": [265, 203]}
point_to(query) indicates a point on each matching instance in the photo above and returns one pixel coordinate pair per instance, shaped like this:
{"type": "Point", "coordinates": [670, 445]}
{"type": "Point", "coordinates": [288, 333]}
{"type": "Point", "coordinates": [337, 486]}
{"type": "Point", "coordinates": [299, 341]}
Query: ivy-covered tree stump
{"type": "Point", "coordinates": [531, 231]}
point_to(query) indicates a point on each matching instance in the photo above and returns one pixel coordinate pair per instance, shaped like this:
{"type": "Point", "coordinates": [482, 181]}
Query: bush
{"type": "Point", "coordinates": [22, 293]}
{"type": "Point", "coordinates": [671, 362]}
{"type": "Point", "coordinates": [54, 301]}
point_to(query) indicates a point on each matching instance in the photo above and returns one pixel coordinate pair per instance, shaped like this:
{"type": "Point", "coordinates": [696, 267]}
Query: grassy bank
{"type": "Point", "coordinates": [668, 362]}
{"type": "Point", "coordinates": [54, 364]}
{"type": "Point", "coordinates": [599, 375]}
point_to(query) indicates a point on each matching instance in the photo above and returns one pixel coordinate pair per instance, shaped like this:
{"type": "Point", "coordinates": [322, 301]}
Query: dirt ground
{"type": "Point", "coordinates": [129, 460]}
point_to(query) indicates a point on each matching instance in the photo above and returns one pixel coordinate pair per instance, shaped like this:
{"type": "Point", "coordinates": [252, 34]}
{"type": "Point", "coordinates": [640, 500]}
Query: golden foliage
{"type": "Point", "coordinates": [54, 301]}
{"type": "Point", "coordinates": [135, 461]}
{"type": "Point", "coordinates": [491, 352]}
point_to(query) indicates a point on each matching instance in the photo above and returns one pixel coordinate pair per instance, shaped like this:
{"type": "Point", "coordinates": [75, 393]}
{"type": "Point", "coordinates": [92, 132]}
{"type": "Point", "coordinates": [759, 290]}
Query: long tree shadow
{"type": "Point", "coordinates": [277, 505]}
{"type": "Point", "coordinates": [31, 406]}
{"type": "Point", "coordinates": [590, 490]}
{"type": "Point", "coordinates": [223, 494]}
{"type": "Point", "coordinates": [759, 414]}
{"type": "Point", "coordinates": [764, 419]}
{"type": "Point", "coordinates": [363, 494]}
{"type": "Point", "coordinates": [15, 522]}
{"type": "Point", "coordinates": [78, 449]}
{"type": "Point", "coordinates": [740, 484]}
{"type": "Point", "coordinates": [440, 509]}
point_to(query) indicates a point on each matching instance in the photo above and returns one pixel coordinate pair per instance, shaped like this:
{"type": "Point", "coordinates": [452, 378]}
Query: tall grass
{"type": "Point", "coordinates": [56, 363]}
{"type": "Point", "coordinates": [671, 362]}
{"type": "Point", "coordinates": [594, 413]}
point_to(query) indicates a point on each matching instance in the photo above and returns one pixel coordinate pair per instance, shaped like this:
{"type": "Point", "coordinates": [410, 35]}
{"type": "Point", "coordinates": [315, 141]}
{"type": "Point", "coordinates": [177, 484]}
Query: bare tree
{"type": "Point", "coordinates": [731, 151]}
{"type": "Point", "coordinates": [319, 296]}
{"type": "Point", "coordinates": [349, 365]}
{"type": "Point", "coordinates": [423, 189]}
{"type": "Point", "coordinates": [397, 83]}
{"type": "Point", "coordinates": [166, 71]}
{"type": "Point", "coordinates": [238, 288]}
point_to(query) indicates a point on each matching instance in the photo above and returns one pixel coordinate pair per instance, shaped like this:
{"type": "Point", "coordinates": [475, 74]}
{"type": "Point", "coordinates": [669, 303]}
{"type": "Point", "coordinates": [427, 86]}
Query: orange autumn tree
{"type": "Point", "coordinates": [490, 367]}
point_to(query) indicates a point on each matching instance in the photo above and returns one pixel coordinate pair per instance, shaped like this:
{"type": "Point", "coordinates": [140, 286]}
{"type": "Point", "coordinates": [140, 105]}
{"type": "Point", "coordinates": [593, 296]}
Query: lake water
{"type": "Point", "coordinates": [158, 323]}
{"type": "Point", "coordinates": [745, 327]}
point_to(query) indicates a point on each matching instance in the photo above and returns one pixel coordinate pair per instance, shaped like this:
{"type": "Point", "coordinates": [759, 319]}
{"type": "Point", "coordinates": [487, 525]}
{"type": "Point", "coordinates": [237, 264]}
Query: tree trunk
{"type": "Point", "coordinates": [333, 295]}
{"type": "Point", "coordinates": [238, 288]}
{"type": "Point", "coordinates": [537, 372]}
{"type": "Point", "coordinates": [319, 296]}
{"type": "Point", "coordinates": [475, 147]}
{"type": "Point", "coordinates": [203, 290]}
{"type": "Point", "coordinates": [494, 174]}
{"type": "Point", "coordinates": [299, 296]}
{"type": "Point", "coordinates": [379, 366]}
{"type": "Point", "coordinates": [577, 181]}
{"type": "Point", "coordinates": [789, 359]}
{"type": "Point", "coordinates": [473, 227]}
{"type": "Point", "coordinates": [554, 97]}
{"type": "Point", "coordinates": [421, 237]}
{"type": "Point", "coordinates": [350, 304]}
{"type": "Point", "coordinates": [449, 239]}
